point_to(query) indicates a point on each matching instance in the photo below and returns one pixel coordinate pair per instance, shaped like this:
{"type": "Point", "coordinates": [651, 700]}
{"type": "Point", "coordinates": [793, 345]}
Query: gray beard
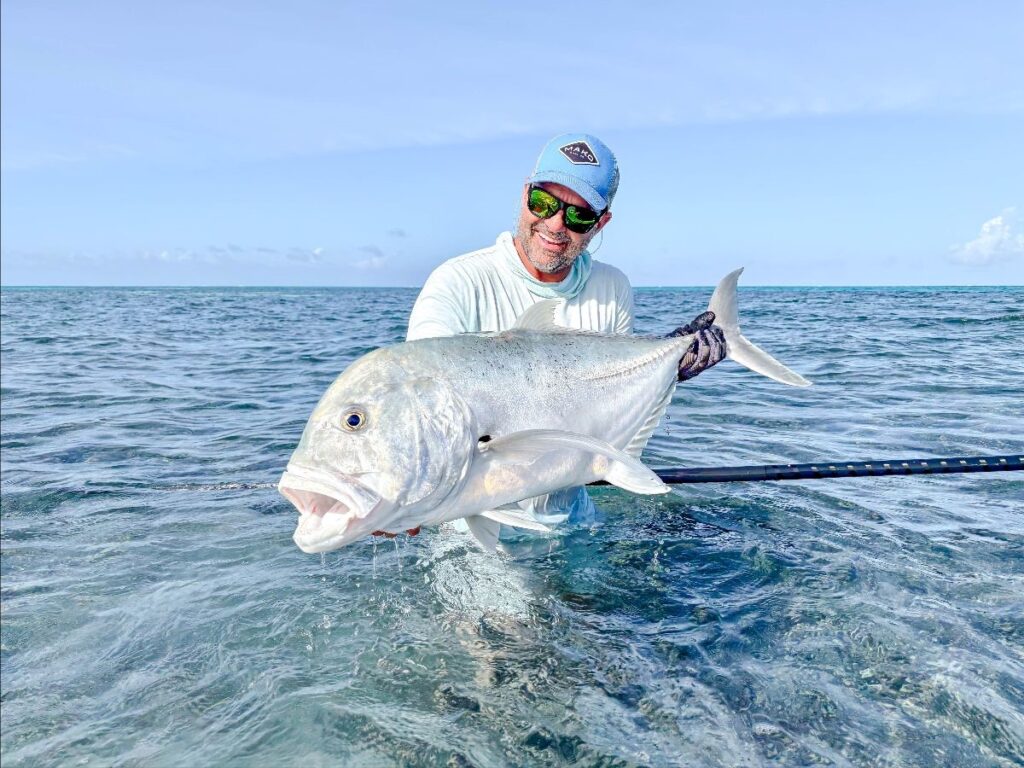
{"type": "Point", "coordinates": [544, 263]}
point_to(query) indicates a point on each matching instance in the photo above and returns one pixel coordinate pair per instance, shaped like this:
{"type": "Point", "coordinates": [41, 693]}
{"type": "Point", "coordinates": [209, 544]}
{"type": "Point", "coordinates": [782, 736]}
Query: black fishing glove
{"type": "Point", "coordinates": [707, 348]}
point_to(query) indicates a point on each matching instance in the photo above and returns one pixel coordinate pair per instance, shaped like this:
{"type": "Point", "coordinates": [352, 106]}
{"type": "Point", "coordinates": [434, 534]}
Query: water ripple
{"type": "Point", "coordinates": [155, 611]}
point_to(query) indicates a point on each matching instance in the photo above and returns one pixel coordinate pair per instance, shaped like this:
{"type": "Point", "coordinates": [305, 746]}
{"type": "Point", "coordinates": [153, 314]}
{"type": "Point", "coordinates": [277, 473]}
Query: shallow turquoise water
{"type": "Point", "coordinates": [155, 611]}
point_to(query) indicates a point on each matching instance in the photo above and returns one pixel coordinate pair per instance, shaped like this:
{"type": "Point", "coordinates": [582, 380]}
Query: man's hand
{"type": "Point", "coordinates": [707, 349]}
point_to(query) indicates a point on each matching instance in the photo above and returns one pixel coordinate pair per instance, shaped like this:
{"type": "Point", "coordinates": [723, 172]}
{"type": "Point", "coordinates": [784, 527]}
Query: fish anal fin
{"type": "Point", "coordinates": [515, 518]}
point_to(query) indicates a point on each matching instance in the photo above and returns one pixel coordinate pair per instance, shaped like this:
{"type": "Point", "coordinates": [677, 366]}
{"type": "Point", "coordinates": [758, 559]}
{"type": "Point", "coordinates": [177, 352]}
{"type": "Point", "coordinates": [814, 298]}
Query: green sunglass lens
{"type": "Point", "coordinates": [542, 204]}
{"type": "Point", "coordinates": [580, 221]}
{"type": "Point", "coordinates": [580, 216]}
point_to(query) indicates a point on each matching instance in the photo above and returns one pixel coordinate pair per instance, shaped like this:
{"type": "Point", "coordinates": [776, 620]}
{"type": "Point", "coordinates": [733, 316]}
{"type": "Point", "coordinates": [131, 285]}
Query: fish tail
{"type": "Point", "coordinates": [738, 347]}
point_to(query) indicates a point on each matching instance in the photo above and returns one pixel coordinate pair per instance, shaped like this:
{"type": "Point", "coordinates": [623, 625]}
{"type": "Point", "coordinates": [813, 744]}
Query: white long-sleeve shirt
{"type": "Point", "coordinates": [483, 292]}
{"type": "Point", "coordinates": [487, 290]}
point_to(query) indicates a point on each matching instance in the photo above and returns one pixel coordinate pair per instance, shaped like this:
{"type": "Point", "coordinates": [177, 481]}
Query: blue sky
{"type": "Point", "coordinates": [329, 143]}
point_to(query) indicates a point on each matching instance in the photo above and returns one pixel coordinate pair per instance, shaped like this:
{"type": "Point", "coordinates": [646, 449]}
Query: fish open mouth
{"type": "Point", "coordinates": [332, 511]}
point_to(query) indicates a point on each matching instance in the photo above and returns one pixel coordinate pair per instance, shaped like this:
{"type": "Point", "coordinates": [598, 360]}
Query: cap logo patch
{"type": "Point", "coordinates": [579, 153]}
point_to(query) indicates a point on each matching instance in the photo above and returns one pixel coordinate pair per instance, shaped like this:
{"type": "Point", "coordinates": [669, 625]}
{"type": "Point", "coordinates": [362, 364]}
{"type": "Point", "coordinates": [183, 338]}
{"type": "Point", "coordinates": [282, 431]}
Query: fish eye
{"type": "Point", "coordinates": [353, 420]}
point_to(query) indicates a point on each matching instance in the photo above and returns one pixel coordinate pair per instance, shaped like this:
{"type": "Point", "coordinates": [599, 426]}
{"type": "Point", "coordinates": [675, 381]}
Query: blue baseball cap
{"type": "Point", "coordinates": [584, 164]}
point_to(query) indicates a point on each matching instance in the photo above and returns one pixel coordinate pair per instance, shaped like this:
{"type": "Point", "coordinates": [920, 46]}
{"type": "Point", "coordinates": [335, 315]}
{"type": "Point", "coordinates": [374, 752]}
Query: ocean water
{"type": "Point", "coordinates": [155, 611]}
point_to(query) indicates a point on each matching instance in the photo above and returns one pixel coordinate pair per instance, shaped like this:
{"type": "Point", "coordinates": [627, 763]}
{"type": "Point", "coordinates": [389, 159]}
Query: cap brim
{"type": "Point", "coordinates": [580, 187]}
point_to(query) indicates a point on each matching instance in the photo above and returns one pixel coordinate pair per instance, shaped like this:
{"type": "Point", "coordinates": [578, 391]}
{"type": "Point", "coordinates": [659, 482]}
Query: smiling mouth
{"type": "Point", "coordinates": [550, 242]}
{"type": "Point", "coordinates": [331, 513]}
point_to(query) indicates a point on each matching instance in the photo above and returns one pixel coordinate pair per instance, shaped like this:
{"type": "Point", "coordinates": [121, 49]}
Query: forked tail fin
{"type": "Point", "coordinates": [738, 348]}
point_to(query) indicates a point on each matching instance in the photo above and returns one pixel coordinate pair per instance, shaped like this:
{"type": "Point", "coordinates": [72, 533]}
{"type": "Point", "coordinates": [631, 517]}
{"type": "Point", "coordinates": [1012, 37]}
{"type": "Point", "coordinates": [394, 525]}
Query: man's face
{"type": "Point", "coordinates": [545, 244]}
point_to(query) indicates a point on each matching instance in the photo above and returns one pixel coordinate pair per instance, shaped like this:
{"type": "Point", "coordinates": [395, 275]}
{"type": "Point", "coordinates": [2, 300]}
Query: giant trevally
{"type": "Point", "coordinates": [467, 426]}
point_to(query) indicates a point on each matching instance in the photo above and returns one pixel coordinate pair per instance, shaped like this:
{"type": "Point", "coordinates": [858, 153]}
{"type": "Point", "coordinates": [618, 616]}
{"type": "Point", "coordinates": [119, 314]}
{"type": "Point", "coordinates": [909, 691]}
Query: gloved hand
{"type": "Point", "coordinates": [707, 349]}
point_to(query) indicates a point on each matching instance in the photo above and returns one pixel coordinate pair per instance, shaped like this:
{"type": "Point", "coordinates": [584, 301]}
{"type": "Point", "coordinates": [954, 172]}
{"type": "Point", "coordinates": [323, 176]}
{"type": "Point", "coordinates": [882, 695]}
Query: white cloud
{"type": "Point", "coordinates": [997, 241]}
{"type": "Point", "coordinates": [374, 262]}
{"type": "Point", "coordinates": [376, 259]}
{"type": "Point", "coordinates": [305, 255]}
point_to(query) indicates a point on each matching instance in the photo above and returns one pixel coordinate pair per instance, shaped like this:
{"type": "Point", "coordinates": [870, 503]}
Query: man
{"type": "Point", "coordinates": [565, 203]}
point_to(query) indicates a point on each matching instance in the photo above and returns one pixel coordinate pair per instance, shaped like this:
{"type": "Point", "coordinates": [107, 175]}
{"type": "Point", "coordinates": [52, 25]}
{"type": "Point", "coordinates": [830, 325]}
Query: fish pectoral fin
{"type": "Point", "coordinates": [516, 518]}
{"type": "Point", "coordinates": [484, 531]}
{"type": "Point", "coordinates": [633, 475]}
{"type": "Point", "coordinates": [621, 469]}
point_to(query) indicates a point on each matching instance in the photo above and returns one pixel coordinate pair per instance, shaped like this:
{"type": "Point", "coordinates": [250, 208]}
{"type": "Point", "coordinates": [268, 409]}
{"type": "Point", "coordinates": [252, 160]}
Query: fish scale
{"type": "Point", "coordinates": [558, 369]}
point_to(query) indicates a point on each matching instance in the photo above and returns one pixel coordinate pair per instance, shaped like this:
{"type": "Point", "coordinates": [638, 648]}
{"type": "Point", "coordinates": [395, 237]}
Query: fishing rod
{"type": "Point", "coordinates": [823, 470]}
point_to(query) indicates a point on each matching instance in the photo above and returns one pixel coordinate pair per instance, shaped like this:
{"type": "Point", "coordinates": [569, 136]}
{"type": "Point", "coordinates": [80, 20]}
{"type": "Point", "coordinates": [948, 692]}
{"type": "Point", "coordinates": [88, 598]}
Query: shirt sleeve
{"type": "Point", "coordinates": [438, 309]}
{"type": "Point", "coordinates": [624, 312]}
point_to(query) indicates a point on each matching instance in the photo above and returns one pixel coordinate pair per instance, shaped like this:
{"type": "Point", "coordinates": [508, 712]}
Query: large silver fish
{"type": "Point", "coordinates": [467, 426]}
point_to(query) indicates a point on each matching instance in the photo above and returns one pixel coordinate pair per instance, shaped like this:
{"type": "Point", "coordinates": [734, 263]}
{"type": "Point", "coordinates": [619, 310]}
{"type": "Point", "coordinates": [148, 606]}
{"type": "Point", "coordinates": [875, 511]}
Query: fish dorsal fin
{"type": "Point", "coordinates": [639, 442]}
{"type": "Point", "coordinates": [540, 317]}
